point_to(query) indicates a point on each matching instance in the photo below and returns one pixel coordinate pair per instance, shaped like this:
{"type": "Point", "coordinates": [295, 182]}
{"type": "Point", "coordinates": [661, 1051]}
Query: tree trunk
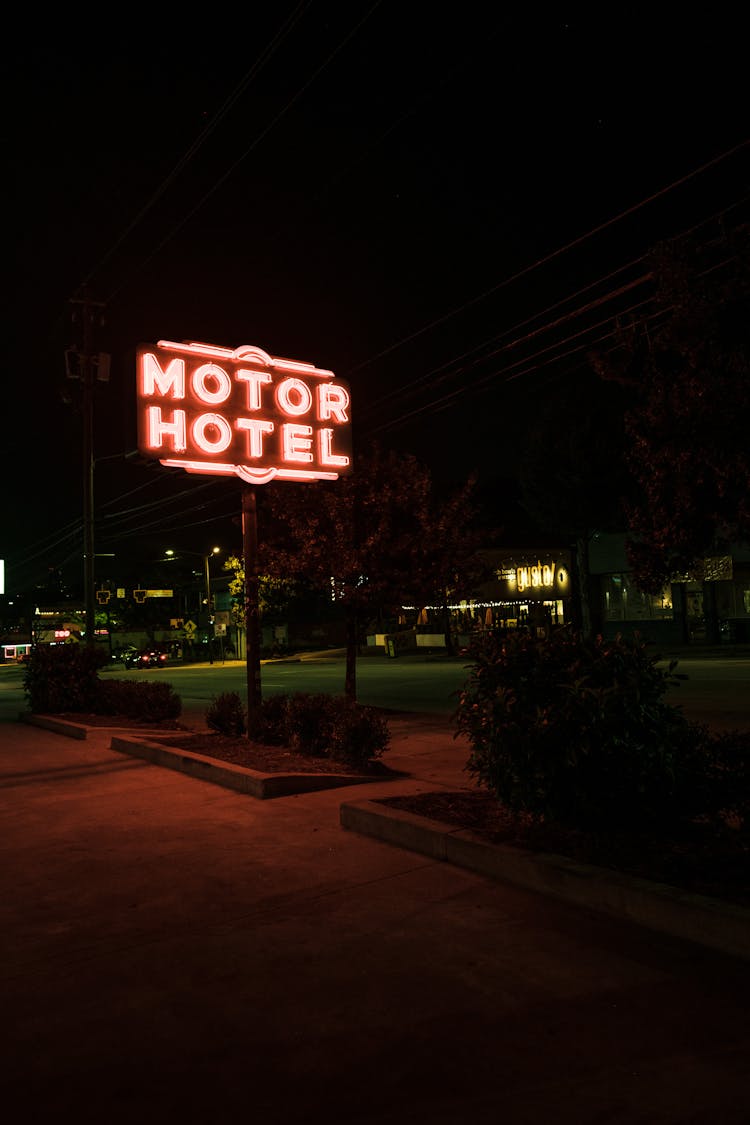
{"type": "Point", "coordinates": [711, 614]}
{"type": "Point", "coordinates": [583, 591]}
{"type": "Point", "coordinates": [447, 629]}
{"type": "Point", "coordinates": [350, 680]}
{"type": "Point", "coordinates": [679, 612]}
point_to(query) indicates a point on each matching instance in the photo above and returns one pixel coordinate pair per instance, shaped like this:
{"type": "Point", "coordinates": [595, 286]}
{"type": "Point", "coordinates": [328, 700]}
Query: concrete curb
{"type": "Point", "coordinates": [696, 918]}
{"type": "Point", "coordinates": [239, 778]}
{"type": "Point", "coordinates": [60, 726]}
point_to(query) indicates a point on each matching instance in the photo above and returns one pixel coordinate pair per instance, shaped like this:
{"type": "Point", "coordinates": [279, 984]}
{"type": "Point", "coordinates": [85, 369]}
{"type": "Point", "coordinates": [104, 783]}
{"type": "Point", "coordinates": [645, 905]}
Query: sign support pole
{"type": "Point", "coordinates": [252, 617]}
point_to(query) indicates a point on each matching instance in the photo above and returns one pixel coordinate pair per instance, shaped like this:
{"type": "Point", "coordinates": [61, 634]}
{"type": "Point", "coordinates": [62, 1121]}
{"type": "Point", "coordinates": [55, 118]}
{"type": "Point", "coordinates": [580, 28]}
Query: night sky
{"type": "Point", "coordinates": [411, 200]}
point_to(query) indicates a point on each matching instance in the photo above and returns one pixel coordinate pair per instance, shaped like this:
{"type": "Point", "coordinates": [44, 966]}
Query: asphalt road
{"type": "Point", "coordinates": [716, 690]}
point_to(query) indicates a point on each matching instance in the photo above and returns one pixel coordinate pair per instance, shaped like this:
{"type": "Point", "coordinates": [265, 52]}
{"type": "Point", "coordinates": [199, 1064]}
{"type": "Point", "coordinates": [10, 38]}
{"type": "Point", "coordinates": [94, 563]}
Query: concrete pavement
{"type": "Point", "coordinates": [173, 950]}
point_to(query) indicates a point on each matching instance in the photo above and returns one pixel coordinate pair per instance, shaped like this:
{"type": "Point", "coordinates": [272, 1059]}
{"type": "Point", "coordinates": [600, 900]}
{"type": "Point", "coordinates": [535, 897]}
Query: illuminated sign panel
{"type": "Point", "coordinates": [534, 579]}
{"type": "Point", "coordinates": [241, 411]}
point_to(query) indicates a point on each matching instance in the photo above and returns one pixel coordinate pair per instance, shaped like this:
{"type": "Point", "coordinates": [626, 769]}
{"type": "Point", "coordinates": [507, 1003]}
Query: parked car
{"type": "Point", "coordinates": [146, 658]}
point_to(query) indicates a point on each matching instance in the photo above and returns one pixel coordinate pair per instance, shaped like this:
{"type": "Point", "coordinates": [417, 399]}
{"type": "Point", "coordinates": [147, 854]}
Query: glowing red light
{"type": "Point", "coordinates": [216, 410]}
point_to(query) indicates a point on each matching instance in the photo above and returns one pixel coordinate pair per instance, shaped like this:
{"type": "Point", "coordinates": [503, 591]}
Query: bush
{"type": "Point", "coordinates": [63, 678]}
{"type": "Point", "coordinates": [308, 723]}
{"type": "Point", "coordinates": [147, 701]}
{"type": "Point", "coordinates": [227, 715]}
{"type": "Point", "coordinates": [360, 734]}
{"type": "Point", "coordinates": [725, 756]}
{"type": "Point", "coordinates": [577, 732]}
{"type": "Point", "coordinates": [268, 723]}
{"type": "Point", "coordinates": [322, 726]}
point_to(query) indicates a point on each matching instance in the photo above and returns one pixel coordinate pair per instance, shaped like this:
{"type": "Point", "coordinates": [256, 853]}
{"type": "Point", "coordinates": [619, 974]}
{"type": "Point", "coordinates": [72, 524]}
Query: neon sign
{"type": "Point", "coordinates": [532, 577]}
{"type": "Point", "coordinates": [535, 579]}
{"type": "Point", "coordinates": [241, 411]}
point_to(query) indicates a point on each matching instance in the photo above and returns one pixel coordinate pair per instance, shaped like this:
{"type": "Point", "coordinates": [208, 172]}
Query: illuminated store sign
{"type": "Point", "coordinates": [535, 579]}
{"type": "Point", "coordinates": [216, 410]}
{"type": "Point", "coordinates": [539, 575]}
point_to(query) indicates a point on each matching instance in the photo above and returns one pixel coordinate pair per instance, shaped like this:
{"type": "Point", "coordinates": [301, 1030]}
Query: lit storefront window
{"type": "Point", "coordinates": [623, 601]}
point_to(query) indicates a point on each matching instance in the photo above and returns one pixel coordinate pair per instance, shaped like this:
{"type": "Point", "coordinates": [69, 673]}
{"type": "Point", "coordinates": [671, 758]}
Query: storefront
{"type": "Point", "coordinates": [709, 606]}
{"type": "Point", "coordinates": [530, 589]}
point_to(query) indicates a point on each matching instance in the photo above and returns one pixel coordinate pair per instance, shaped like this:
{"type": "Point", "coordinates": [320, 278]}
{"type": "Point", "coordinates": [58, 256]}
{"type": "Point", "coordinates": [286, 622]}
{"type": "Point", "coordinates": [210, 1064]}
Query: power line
{"type": "Point", "coordinates": [547, 258]}
{"type": "Point", "coordinates": [264, 132]}
{"type": "Point", "coordinates": [198, 143]}
{"type": "Point", "coordinates": [457, 369]}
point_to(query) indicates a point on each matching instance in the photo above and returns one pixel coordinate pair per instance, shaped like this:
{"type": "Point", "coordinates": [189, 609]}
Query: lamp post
{"type": "Point", "coordinates": [207, 579]}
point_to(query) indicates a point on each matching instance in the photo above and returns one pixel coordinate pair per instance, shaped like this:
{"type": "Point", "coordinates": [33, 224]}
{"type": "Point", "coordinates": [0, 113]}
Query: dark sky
{"type": "Point", "coordinates": [409, 195]}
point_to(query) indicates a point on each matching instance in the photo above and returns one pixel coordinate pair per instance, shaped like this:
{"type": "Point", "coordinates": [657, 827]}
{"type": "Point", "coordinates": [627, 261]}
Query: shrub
{"type": "Point", "coordinates": [308, 723]}
{"type": "Point", "coordinates": [227, 715]}
{"type": "Point", "coordinates": [727, 760]}
{"type": "Point", "coordinates": [577, 732]}
{"type": "Point", "coordinates": [320, 726]}
{"type": "Point", "coordinates": [360, 734]}
{"type": "Point", "coordinates": [268, 723]}
{"type": "Point", "coordinates": [314, 725]}
{"type": "Point", "coordinates": [147, 701]}
{"type": "Point", "coordinates": [63, 678]}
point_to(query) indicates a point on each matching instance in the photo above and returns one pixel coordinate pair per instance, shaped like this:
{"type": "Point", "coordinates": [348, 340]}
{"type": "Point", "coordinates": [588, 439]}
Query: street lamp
{"type": "Point", "coordinates": [207, 578]}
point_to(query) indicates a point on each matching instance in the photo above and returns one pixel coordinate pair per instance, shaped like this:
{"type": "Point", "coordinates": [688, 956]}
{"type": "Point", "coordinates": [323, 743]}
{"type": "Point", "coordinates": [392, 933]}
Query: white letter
{"type": "Point", "coordinates": [222, 442]}
{"type": "Point", "coordinates": [332, 402]}
{"type": "Point", "coordinates": [296, 442]}
{"type": "Point", "coordinates": [301, 392]}
{"type": "Point", "coordinates": [211, 371]}
{"type": "Point", "coordinates": [156, 381]}
{"type": "Point", "coordinates": [253, 380]}
{"type": "Point", "coordinates": [325, 437]}
{"type": "Point", "coordinates": [255, 429]}
{"type": "Point", "coordinates": [157, 428]}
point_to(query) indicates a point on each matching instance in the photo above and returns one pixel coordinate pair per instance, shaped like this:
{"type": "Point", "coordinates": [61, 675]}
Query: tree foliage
{"type": "Point", "coordinates": [274, 594]}
{"type": "Point", "coordinates": [573, 476]}
{"type": "Point", "coordinates": [686, 369]}
{"type": "Point", "coordinates": [572, 472]}
{"type": "Point", "coordinates": [372, 539]}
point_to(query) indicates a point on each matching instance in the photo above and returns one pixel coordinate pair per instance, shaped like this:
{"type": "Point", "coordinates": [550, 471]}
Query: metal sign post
{"type": "Point", "coordinates": [252, 617]}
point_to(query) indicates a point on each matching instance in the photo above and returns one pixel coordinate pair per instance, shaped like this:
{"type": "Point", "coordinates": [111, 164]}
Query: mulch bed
{"type": "Point", "coordinates": [237, 751]}
{"type": "Point", "coordinates": [268, 759]}
{"type": "Point", "coordinates": [703, 861]}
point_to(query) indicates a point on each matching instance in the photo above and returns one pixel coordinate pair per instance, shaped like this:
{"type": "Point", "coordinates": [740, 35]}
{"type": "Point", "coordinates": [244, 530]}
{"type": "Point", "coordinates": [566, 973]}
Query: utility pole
{"type": "Point", "coordinates": [209, 625]}
{"type": "Point", "coordinates": [87, 363]}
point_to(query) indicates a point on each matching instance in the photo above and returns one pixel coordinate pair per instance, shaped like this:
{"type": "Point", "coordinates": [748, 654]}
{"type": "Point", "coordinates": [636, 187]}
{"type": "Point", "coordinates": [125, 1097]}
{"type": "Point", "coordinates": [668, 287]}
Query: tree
{"type": "Point", "coordinates": [446, 561]}
{"type": "Point", "coordinates": [274, 594]}
{"type": "Point", "coordinates": [371, 539]}
{"type": "Point", "coordinates": [687, 372]}
{"type": "Point", "coordinates": [573, 477]}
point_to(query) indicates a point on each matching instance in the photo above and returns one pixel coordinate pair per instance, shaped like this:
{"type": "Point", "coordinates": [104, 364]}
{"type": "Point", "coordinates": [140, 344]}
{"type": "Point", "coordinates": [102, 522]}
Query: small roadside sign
{"type": "Point", "coordinates": [189, 627]}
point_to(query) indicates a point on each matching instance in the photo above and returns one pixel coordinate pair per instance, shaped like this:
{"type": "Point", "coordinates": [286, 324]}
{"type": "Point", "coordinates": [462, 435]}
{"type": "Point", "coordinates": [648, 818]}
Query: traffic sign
{"type": "Point", "coordinates": [189, 627]}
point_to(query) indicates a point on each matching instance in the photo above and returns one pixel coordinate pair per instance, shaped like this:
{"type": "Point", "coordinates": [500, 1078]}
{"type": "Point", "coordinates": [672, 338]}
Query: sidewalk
{"type": "Point", "coordinates": [172, 950]}
{"type": "Point", "coordinates": [425, 756]}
